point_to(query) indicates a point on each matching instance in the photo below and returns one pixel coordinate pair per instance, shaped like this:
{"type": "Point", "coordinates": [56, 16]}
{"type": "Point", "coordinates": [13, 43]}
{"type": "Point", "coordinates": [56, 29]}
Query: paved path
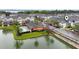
{"type": "Point", "coordinates": [70, 34]}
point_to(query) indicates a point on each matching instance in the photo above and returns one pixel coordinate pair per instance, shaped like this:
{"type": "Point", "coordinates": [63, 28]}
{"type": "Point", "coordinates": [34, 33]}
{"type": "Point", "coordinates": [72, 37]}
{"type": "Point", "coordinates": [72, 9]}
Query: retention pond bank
{"type": "Point", "coordinates": [7, 41]}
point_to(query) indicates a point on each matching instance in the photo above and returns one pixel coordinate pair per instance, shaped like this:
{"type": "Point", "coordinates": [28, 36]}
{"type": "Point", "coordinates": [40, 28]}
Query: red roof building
{"type": "Point", "coordinates": [39, 28]}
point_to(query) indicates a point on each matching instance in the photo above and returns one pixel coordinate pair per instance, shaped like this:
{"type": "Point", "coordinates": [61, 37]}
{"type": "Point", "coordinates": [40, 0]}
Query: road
{"type": "Point", "coordinates": [64, 32]}
{"type": "Point", "coordinates": [67, 33]}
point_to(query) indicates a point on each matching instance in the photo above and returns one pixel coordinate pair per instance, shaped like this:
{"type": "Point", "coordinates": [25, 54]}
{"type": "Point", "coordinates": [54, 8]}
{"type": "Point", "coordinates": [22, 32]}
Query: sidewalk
{"type": "Point", "coordinates": [69, 33]}
{"type": "Point", "coordinates": [64, 32]}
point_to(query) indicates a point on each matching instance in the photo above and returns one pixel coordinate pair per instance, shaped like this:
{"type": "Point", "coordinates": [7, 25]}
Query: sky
{"type": "Point", "coordinates": [40, 4]}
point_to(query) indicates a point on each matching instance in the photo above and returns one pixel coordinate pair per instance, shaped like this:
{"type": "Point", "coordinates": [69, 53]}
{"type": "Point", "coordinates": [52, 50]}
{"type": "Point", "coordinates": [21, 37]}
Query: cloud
{"type": "Point", "coordinates": [39, 4]}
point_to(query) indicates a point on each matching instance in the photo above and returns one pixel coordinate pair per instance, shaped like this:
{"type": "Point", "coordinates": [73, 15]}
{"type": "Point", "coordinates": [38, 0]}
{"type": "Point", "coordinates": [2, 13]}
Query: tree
{"type": "Point", "coordinates": [76, 27]}
{"type": "Point", "coordinates": [47, 11]}
{"type": "Point", "coordinates": [35, 12]}
{"type": "Point", "coordinates": [16, 23]}
{"type": "Point", "coordinates": [0, 22]}
{"type": "Point", "coordinates": [18, 31]}
{"type": "Point", "coordinates": [53, 22]}
{"type": "Point", "coordinates": [7, 13]}
{"type": "Point", "coordinates": [2, 12]}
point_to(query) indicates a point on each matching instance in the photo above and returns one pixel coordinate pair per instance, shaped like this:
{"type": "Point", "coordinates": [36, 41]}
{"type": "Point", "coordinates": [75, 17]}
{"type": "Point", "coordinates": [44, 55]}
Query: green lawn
{"type": "Point", "coordinates": [23, 36]}
{"type": "Point", "coordinates": [10, 28]}
{"type": "Point", "coordinates": [29, 35]}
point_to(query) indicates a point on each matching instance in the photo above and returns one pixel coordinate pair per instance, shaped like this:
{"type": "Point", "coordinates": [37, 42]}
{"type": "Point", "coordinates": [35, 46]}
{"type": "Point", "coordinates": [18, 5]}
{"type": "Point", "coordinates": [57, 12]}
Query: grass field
{"type": "Point", "coordinates": [9, 28]}
{"type": "Point", "coordinates": [23, 36]}
{"type": "Point", "coordinates": [29, 35]}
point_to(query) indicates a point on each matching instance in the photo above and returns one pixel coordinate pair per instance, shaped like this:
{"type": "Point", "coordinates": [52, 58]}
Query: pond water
{"type": "Point", "coordinates": [7, 41]}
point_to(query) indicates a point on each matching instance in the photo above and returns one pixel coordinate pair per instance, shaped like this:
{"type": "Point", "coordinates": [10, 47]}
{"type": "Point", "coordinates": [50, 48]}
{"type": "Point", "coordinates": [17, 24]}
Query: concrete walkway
{"type": "Point", "coordinates": [67, 33]}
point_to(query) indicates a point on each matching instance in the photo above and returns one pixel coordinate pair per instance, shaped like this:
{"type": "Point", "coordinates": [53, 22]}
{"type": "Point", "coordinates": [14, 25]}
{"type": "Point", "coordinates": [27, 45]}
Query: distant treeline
{"type": "Point", "coordinates": [6, 13]}
{"type": "Point", "coordinates": [42, 11]}
{"type": "Point", "coordinates": [48, 11]}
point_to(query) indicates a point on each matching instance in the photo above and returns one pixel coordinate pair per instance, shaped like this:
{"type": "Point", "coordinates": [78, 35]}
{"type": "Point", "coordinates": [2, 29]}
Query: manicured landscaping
{"type": "Point", "coordinates": [9, 28]}
{"type": "Point", "coordinates": [13, 28]}
{"type": "Point", "coordinates": [29, 35]}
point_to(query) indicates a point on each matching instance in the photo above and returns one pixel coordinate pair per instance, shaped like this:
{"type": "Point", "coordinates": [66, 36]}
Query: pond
{"type": "Point", "coordinates": [7, 41]}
